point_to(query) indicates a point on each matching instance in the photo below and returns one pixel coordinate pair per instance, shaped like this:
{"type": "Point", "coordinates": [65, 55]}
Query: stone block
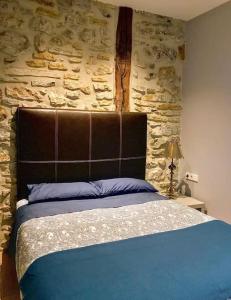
{"type": "Point", "coordinates": [60, 51]}
{"type": "Point", "coordinates": [42, 83]}
{"type": "Point", "coordinates": [35, 63]}
{"type": "Point", "coordinates": [71, 76]}
{"type": "Point", "coordinates": [73, 95]}
{"type": "Point", "coordinates": [103, 70]}
{"type": "Point", "coordinates": [71, 103]}
{"type": "Point", "coordinates": [149, 97]}
{"type": "Point", "coordinates": [4, 157]}
{"type": "Point", "coordinates": [9, 59]}
{"type": "Point", "coordinates": [151, 91]}
{"type": "Point", "coordinates": [85, 90]}
{"type": "Point", "coordinates": [102, 87]}
{"type": "Point", "coordinates": [162, 163]}
{"type": "Point", "coordinates": [3, 114]}
{"type": "Point", "coordinates": [44, 56]}
{"type": "Point", "coordinates": [56, 100]}
{"type": "Point", "coordinates": [22, 93]}
{"type": "Point", "coordinates": [76, 70]}
{"type": "Point", "coordinates": [57, 66]}
{"type": "Point", "coordinates": [157, 174]}
{"type": "Point", "coordinates": [99, 79]}
{"type": "Point", "coordinates": [139, 89]}
{"type": "Point", "coordinates": [71, 85]}
{"type": "Point", "coordinates": [104, 96]}
{"type": "Point", "coordinates": [75, 60]}
{"type": "Point", "coordinates": [54, 13]}
{"type": "Point", "coordinates": [103, 57]}
{"type": "Point", "coordinates": [170, 106]}
{"type": "Point", "coordinates": [137, 96]}
{"type": "Point", "coordinates": [97, 21]}
{"type": "Point", "coordinates": [105, 102]}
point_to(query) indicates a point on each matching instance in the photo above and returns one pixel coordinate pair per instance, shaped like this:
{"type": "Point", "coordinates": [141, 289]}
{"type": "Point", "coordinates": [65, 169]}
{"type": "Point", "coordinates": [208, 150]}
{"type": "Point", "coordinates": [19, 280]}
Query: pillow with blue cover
{"type": "Point", "coordinates": [119, 186]}
{"type": "Point", "coordinates": [61, 191]}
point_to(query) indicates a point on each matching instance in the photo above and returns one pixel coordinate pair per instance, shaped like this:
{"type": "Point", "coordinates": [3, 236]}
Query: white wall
{"type": "Point", "coordinates": [206, 124]}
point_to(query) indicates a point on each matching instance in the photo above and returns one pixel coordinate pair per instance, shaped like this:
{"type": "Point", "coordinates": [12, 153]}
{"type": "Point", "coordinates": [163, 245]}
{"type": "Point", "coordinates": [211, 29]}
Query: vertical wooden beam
{"type": "Point", "coordinates": [123, 58]}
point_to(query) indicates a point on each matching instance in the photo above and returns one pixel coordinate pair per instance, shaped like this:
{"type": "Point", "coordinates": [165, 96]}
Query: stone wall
{"type": "Point", "coordinates": [60, 53]}
{"type": "Point", "coordinates": [158, 52]}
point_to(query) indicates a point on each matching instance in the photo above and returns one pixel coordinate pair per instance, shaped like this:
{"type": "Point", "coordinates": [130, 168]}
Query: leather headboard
{"type": "Point", "coordinates": [55, 145]}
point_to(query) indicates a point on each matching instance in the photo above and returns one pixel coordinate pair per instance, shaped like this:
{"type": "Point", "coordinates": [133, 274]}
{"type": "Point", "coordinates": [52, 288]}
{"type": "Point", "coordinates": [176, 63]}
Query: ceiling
{"type": "Point", "coordinates": [180, 9]}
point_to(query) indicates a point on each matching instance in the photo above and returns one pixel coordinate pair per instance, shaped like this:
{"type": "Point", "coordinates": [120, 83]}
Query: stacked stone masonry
{"type": "Point", "coordinates": [157, 56]}
{"type": "Point", "coordinates": [60, 53]}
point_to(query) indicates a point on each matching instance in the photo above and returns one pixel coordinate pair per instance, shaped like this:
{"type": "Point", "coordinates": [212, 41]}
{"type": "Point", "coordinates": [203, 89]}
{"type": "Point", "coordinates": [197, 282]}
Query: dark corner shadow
{"type": "Point", "coordinates": [9, 283]}
{"type": "Point", "coordinates": [183, 188]}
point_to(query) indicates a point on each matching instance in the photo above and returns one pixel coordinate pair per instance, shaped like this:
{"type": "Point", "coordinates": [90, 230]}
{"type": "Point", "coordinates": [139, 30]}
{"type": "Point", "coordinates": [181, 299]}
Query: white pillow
{"type": "Point", "coordinates": [21, 203]}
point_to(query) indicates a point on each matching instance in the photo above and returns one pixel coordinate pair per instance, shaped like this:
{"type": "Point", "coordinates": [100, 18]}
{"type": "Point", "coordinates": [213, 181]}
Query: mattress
{"type": "Point", "coordinates": [138, 246]}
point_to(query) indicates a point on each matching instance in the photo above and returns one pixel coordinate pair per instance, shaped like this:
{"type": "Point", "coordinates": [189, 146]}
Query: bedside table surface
{"type": "Point", "coordinates": [190, 201]}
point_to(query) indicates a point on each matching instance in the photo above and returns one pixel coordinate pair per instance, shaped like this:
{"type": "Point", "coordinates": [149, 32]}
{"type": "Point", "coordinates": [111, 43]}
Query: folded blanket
{"type": "Point", "coordinates": [192, 263]}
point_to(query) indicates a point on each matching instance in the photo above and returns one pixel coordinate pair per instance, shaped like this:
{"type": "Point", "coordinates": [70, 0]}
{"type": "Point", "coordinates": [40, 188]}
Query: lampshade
{"type": "Point", "coordinates": [173, 150]}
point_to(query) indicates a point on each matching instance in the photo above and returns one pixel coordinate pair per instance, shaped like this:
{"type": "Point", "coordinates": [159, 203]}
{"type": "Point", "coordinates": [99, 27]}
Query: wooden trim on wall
{"type": "Point", "coordinates": [123, 58]}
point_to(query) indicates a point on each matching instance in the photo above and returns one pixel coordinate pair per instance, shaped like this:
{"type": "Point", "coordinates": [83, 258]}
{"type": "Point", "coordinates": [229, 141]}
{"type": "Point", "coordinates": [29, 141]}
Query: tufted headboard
{"type": "Point", "coordinates": [55, 145]}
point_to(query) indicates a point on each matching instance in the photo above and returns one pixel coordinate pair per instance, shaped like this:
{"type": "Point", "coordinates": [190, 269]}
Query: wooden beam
{"type": "Point", "coordinates": [123, 58]}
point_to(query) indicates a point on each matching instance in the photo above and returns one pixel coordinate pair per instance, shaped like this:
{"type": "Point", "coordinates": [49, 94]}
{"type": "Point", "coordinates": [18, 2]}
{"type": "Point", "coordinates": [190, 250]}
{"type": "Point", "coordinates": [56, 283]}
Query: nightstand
{"type": "Point", "coordinates": [192, 202]}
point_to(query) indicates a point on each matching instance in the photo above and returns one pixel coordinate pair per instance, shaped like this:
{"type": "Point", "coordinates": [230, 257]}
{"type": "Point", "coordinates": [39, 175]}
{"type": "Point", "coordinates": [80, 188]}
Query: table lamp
{"type": "Point", "coordinates": [173, 152]}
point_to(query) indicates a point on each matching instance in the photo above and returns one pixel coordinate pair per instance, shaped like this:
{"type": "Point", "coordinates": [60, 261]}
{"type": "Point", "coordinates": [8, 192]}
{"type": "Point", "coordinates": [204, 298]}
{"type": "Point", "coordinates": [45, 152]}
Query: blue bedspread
{"type": "Point", "coordinates": [186, 264]}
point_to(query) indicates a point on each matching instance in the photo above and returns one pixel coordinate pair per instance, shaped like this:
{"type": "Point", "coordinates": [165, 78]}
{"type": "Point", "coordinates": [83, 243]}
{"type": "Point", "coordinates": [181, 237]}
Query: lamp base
{"type": "Point", "coordinates": [171, 190]}
{"type": "Point", "coordinates": [173, 195]}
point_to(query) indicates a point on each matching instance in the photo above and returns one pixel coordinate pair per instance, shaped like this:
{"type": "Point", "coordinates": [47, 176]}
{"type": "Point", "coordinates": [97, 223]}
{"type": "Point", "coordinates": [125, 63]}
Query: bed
{"type": "Point", "coordinates": [122, 240]}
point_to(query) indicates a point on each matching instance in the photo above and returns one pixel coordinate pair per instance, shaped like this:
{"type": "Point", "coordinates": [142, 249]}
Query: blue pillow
{"type": "Point", "coordinates": [61, 191]}
{"type": "Point", "coordinates": [118, 186]}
